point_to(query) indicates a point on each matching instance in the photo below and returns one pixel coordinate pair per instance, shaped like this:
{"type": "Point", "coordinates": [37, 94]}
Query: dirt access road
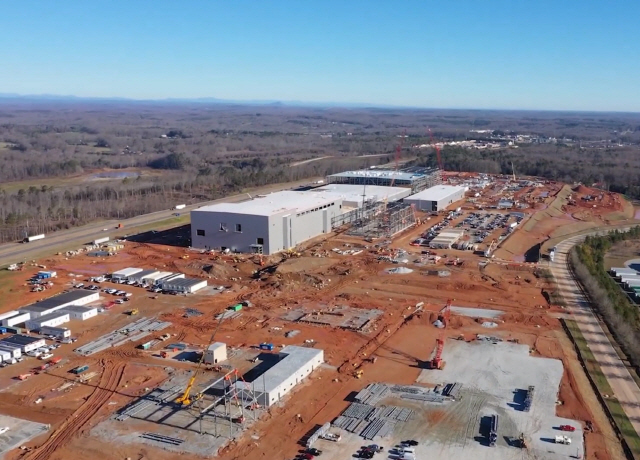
{"type": "Point", "coordinates": [624, 387]}
{"type": "Point", "coordinates": [18, 252]}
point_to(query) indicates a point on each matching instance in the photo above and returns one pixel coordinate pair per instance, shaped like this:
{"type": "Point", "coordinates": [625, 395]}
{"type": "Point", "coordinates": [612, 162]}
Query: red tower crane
{"type": "Point", "coordinates": [437, 148]}
{"type": "Point", "coordinates": [436, 362]}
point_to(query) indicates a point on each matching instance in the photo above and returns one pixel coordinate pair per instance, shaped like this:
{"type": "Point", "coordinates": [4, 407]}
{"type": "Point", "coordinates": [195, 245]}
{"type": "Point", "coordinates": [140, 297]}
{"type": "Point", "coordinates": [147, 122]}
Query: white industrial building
{"type": "Point", "coordinates": [141, 275]}
{"type": "Point", "coordinates": [5, 355]}
{"type": "Point", "coordinates": [9, 314]}
{"type": "Point", "coordinates": [52, 320]}
{"type": "Point", "coordinates": [446, 239]}
{"type": "Point", "coordinates": [25, 343]}
{"type": "Point", "coordinates": [57, 332]}
{"type": "Point", "coordinates": [294, 365]}
{"type": "Point", "coordinates": [184, 285]}
{"type": "Point", "coordinates": [125, 273]}
{"type": "Point", "coordinates": [216, 353]}
{"type": "Point", "coordinates": [267, 224]}
{"type": "Point", "coordinates": [353, 196]}
{"type": "Point", "coordinates": [15, 351]}
{"type": "Point", "coordinates": [152, 279]}
{"type": "Point", "coordinates": [436, 198]}
{"type": "Point", "coordinates": [80, 312]}
{"type": "Point", "coordinates": [58, 302]}
{"type": "Point", "coordinates": [15, 320]}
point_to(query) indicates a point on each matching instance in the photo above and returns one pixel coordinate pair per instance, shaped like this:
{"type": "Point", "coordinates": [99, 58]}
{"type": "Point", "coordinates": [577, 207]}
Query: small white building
{"type": "Point", "coordinates": [25, 343]}
{"type": "Point", "coordinates": [15, 351]}
{"type": "Point", "coordinates": [5, 355]}
{"type": "Point", "coordinates": [125, 273]}
{"type": "Point", "coordinates": [141, 275]}
{"type": "Point", "coordinates": [52, 320]}
{"type": "Point", "coordinates": [57, 332]}
{"type": "Point", "coordinates": [216, 353]}
{"type": "Point", "coordinates": [152, 279]}
{"type": "Point", "coordinates": [294, 365]}
{"type": "Point", "coordinates": [81, 313]}
{"type": "Point", "coordinates": [15, 320]}
{"type": "Point", "coordinates": [9, 314]}
{"type": "Point", "coordinates": [446, 239]}
{"type": "Point", "coordinates": [184, 285]}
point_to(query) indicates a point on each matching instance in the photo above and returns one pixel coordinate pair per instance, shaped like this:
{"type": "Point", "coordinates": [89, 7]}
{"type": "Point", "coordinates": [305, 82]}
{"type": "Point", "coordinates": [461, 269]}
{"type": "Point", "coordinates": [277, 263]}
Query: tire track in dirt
{"type": "Point", "coordinates": [109, 382]}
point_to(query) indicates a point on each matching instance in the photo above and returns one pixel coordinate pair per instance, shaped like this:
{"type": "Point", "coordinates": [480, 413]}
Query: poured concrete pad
{"type": "Point", "coordinates": [20, 431]}
{"type": "Point", "coordinates": [476, 312]}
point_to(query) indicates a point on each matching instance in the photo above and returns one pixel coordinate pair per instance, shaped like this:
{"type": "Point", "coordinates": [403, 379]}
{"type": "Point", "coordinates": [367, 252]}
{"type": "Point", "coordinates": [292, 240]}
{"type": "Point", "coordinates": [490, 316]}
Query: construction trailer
{"type": "Point", "coordinates": [620, 271]}
{"type": "Point", "coordinates": [13, 349]}
{"type": "Point", "coordinates": [9, 314]}
{"type": "Point", "coordinates": [5, 356]}
{"type": "Point", "coordinates": [141, 275]}
{"type": "Point", "coordinates": [26, 343]}
{"type": "Point", "coordinates": [184, 285]}
{"type": "Point", "coordinates": [125, 273]}
{"type": "Point", "coordinates": [17, 319]}
{"type": "Point", "coordinates": [215, 353]}
{"type": "Point", "coordinates": [60, 301]}
{"type": "Point", "coordinates": [153, 278]}
{"type": "Point", "coordinates": [436, 198]}
{"type": "Point", "coordinates": [57, 332]}
{"type": "Point", "coordinates": [80, 312]}
{"type": "Point", "coordinates": [52, 320]}
{"type": "Point", "coordinates": [264, 225]}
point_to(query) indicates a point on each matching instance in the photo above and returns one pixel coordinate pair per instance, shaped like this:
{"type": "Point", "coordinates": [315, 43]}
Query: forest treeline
{"type": "Point", "coordinates": [192, 153]}
{"type": "Point", "coordinates": [619, 313]}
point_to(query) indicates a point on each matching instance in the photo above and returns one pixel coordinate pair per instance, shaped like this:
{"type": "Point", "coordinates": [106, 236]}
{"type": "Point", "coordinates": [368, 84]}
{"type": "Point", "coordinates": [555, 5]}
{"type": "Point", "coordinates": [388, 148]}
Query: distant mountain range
{"type": "Point", "coordinates": [13, 97]}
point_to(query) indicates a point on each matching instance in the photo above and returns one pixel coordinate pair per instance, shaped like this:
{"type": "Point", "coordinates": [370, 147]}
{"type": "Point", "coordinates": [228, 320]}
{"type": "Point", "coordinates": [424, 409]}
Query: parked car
{"type": "Point", "coordinates": [567, 428]}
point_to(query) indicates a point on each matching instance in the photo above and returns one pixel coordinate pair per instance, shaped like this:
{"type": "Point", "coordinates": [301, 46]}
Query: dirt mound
{"type": "Point", "coordinates": [583, 190]}
{"type": "Point", "coordinates": [305, 264]}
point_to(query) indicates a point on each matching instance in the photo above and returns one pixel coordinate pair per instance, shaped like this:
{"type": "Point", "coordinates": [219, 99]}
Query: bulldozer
{"type": "Point", "coordinates": [132, 312]}
{"type": "Point", "coordinates": [358, 374]}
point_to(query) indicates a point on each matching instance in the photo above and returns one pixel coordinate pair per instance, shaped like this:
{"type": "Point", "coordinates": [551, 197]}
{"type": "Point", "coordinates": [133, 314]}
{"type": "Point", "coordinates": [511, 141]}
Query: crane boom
{"type": "Point", "coordinates": [185, 399]}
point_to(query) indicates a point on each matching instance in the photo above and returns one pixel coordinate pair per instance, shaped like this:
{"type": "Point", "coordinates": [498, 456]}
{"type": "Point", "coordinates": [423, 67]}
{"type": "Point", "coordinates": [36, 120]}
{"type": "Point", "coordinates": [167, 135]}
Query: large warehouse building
{"type": "Point", "coordinates": [415, 178]}
{"type": "Point", "coordinates": [57, 302]}
{"type": "Point", "coordinates": [295, 363]}
{"type": "Point", "coordinates": [436, 198]}
{"type": "Point", "coordinates": [266, 225]}
{"type": "Point", "coordinates": [354, 195]}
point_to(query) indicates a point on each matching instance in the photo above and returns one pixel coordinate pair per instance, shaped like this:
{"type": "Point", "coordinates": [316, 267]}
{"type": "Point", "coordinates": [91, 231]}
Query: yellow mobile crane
{"type": "Point", "coordinates": [186, 400]}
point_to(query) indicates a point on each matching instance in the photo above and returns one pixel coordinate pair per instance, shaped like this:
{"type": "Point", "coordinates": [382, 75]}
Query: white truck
{"type": "Point", "coordinates": [561, 439]}
{"type": "Point", "coordinates": [98, 241]}
{"type": "Point", "coordinates": [180, 206]}
{"type": "Point", "coordinates": [29, 239]}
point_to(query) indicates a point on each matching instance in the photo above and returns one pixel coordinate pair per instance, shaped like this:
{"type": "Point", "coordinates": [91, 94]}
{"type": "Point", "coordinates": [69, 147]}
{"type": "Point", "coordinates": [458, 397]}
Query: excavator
{"type": "Point", "coordinates": [185, 400]}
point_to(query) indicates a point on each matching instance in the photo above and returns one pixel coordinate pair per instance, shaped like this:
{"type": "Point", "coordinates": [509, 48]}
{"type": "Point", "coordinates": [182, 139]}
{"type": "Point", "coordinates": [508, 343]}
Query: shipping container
{"type": "Point", "coordinates": [266, 346]}
{"type": "Point", "coordinates": [80, 369]}
{"type": "Point", "coordinates": [145, 346]}
{"type": "Point", "coordinates": [55, 360]}
{"type": "Point", "coordinates": [237, 307]}
{"type": "Point", "coordinates": [98, 241]}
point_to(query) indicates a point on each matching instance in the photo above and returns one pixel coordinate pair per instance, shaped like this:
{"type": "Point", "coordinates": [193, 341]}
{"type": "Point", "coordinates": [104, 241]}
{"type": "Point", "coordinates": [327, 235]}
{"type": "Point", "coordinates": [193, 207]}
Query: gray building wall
{"type": "Point", "coordinates": [441, 204]}
{"type": "Point", "coordinates": [278, 232]}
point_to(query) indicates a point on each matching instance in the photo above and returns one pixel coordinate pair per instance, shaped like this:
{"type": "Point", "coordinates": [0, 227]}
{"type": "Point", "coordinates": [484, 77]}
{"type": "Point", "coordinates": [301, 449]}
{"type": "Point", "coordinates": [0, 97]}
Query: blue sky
{"type": "Point", "coordinates": [514, 54]}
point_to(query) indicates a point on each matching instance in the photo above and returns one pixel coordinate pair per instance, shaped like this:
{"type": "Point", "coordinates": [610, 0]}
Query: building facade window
{"type": "Point", "coordinates": [200, 232]}
{"type": "Point", "coordinates": [239, 228]}
{"type": "Point", "coordinates": [223, 227]}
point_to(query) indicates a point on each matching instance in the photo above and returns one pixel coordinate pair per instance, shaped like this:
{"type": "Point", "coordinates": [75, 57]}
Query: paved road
{"type": "Point", "coordinates": [53, 242]}
{"type": "Point", "coordinates": [624, 387]}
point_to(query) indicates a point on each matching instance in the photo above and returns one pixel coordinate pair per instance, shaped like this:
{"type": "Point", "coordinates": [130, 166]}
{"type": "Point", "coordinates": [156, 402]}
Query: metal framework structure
{"type": "Point", "coordinates": [396, 218]}
{"type": "Point", "coordinates": [424, 178]}
{"type": "Point", "coordinates": [368, 209]}
{"type": "Point", "coordinates": [228, 401]}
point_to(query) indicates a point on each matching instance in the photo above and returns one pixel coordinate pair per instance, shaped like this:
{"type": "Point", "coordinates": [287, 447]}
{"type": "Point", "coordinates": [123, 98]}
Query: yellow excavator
{"type": "Point", "coordinates": [185, 399]}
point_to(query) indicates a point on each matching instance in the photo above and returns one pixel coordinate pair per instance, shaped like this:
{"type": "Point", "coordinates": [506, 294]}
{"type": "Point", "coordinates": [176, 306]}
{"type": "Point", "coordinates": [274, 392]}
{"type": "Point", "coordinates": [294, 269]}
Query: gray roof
{"type": "Point", "coordinates": [55, 329]}
{"type": "Point", "coordinates": [57, 300]}
{"type": "Point", "coordinates": [20, 339]}
{"type": "Point", "coordinates": [79, 308]}
{"type": "Point", "coordinates": [380, 174]}
{"type": "Point", "coordinates": [294, 358]}
{"type": "Point", "coordinates": [437, 193]}
{"type": "Point", "coordinates": [144, 273]}
{"type": "Point", "coordinates": [47, 317]}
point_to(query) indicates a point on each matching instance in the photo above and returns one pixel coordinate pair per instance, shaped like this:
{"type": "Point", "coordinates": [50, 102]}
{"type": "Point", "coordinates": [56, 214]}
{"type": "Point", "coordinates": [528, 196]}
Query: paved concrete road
{"type": "Point", "coordinates": [53, 242]}
{"type": "Point", "coordinates": [624, 387]}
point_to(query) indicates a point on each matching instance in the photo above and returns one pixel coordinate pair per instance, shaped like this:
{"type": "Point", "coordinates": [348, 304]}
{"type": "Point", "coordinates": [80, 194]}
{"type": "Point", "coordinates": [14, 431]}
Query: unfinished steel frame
{"type": "Point", "coordinates": [232, 393]}
{"type": "Point", "coordinates": [368, 209]}
{"type": "Point", "coordinates": [396, 218]}
{"type": "Point", "coordinates": [424, 178]}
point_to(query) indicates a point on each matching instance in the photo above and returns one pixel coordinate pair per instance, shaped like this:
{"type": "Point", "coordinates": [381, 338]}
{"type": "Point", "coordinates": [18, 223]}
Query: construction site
{"type": "Point", "coordinates": [363, 335]}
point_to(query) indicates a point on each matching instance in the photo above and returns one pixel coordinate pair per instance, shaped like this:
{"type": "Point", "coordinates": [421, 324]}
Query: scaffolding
{"type": "Point", "coordinates": [396, 218]}
{"type": "Point", "coordinates": [228, 401]}
{"type": "Point", "coordinates": [368, 209]}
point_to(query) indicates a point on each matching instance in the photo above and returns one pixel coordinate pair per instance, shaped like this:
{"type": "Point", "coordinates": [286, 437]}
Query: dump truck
{"type": "Point", "coordinates": [563, 440]}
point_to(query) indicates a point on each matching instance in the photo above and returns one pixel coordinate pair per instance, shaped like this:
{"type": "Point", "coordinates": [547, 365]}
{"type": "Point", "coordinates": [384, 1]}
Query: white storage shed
{"type": "Point", "coordinates": [294, 365]}
{"type": "Point", "coordinates": [26, 343]}
{"type": "Point", "coordinates": [57, 332]}
{"type": "Point", "coordinates": [436, 198]}
{"type": "Point", "coordinates": [216, 353]}
{"type": "Point", "coordinates": [125, 273]}
{"type": "Point", "coordinates": [153, 279]}
{"type": "Point", "coordinates": [9, 314]}
{"type": "Point", "coordinates": [15, 351]}
{"type": "Point", "coordinates": [5, 355]}
{"type": "Point", "coordinates": [18, 319]}
{"type": "Point", "coordinates": [184, 285]}
{"type": "Point", "coordinates": [141, 275]}
{"type": "Point", "coordinates": [52, 320]}
{"type": "Point", "coordinates": [58, 302]}
{"type": "Point", "coordinates": [81, 313]}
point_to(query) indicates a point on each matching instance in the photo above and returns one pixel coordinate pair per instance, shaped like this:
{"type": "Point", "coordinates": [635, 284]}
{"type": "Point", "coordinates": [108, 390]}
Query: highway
{"type": "Point", "coordinates": [78, 236]}
{"type": "Point", "coordinates": [624, 387]}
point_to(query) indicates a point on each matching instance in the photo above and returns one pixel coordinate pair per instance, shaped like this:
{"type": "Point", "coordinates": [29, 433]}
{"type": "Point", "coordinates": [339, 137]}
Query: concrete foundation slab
{"type": "Point", "coordinates": [19, 432]}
